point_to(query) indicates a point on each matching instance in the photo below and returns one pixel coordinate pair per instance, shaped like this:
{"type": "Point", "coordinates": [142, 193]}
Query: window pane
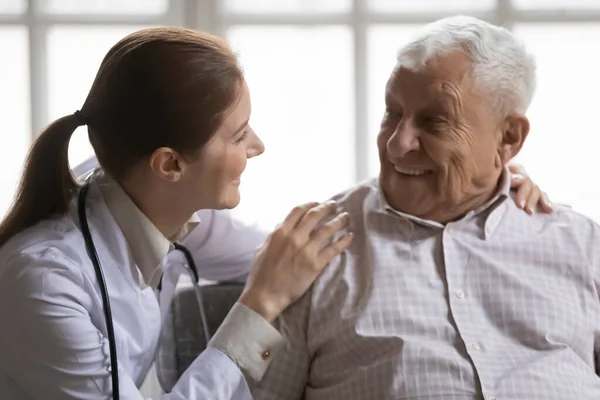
{"type": "Point", "coordinates": [105, 6]}
{"type": "Point", "coordinates": [561, 152]}
{"type": "Point", "coordinates": [383, 43]}
{"type": "Point", "coordinates": [287, 6]}
{"type": "Point", "coordinates": [74, 56]}
{"type": "Point", "coordinates": [15, 128]}
{"type": "Point", "coordinates": [557, 4]}
{"type": "Point", "coordinates": [12, 6]}
{"type": "Point", "coordinates": [300, 80]}
{"type": "Point", "coordinates": [435, 6]}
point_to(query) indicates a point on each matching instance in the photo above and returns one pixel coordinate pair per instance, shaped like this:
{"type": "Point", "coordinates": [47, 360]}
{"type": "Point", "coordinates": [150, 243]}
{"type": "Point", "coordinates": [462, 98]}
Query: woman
{"type": "Point", "coordinates": [167, 116]}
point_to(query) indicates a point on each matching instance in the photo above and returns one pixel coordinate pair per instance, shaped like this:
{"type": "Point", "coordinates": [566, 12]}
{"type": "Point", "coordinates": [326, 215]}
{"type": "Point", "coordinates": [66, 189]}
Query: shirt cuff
{"type": "Point", "coordinates": [248, 339]}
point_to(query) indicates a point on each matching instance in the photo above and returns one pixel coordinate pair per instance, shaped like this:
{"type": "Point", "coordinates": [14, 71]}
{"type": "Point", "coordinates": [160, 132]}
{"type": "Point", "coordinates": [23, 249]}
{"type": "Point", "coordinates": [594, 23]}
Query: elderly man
{"type": "Point", "coordinates": [448, 290]}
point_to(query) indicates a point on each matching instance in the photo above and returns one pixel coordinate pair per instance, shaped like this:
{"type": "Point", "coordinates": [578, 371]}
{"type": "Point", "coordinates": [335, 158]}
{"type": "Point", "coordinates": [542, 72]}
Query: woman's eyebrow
{"type": "Point", "coordinates": [241, 126]}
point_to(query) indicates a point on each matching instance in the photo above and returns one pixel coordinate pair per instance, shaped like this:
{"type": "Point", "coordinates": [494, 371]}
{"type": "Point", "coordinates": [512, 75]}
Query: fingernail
{"type": "Point", "coordinates": [522, 204]}
{"type": "Point", "coordinates": [547, 200]}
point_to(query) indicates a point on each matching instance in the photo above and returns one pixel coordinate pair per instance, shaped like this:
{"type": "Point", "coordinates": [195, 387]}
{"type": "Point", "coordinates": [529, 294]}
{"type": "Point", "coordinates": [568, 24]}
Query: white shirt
{"type": "Point", "coordinates": [53, 334]}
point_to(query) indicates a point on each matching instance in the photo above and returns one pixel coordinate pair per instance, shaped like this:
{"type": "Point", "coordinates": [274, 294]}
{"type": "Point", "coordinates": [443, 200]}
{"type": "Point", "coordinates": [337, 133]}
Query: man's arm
{"type": "Point", "coordinates": [589, 234]}
{"type": "Point", "coordinates": [595, 263]}
{"type": "Point", "coordinates": [287, 376]}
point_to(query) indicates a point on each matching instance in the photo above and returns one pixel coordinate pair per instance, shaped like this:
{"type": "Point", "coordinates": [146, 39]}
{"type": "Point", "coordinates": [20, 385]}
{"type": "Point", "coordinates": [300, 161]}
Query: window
{"type": "Point", "coordinates": [118, 7]}
{"type": "Point", "coordinates": [449, 6]}
{"type": "Point", "coordinates": [562, 116]}
{"type": "Point", "coordinates": [317, 71]}
{"type": "Point", "coordinates": [301, 88]}
{"type": "Point", "coordinates": [383, 41]}
{"type": "Point", "coordinates": [14, 96]}
{"type": "Point", "coordinates": [12, 6]}
{"type": "Point", "coordinates": [55, 48]}
{"type": "Point", "coordinates": [561, 151]}
{"type": "Point", "coordinates": [287, 6]}
{"type": "Point", "coordinates": [74, 53]}
{"type": "Point", "coordinates": [557, 4]}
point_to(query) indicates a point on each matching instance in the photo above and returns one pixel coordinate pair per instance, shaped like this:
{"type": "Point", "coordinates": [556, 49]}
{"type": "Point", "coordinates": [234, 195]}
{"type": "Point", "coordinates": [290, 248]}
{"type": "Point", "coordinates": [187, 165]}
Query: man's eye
{"type": "Point", "coordinates": [393, 113]}
{"type": "Point", "coordinates": [434, 120]}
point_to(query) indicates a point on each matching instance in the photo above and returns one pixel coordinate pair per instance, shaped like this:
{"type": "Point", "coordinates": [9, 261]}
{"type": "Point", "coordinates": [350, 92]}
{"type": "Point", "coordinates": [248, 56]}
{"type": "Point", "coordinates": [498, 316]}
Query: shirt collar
{"type": "Point", "coordinates": [148, 246]}
{"type": "Point", "coordinates": [493, 205]}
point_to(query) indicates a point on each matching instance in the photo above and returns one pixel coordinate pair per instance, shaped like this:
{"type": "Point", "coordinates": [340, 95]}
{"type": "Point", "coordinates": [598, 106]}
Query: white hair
{"type": "Point", "coordinates": [501, 65]}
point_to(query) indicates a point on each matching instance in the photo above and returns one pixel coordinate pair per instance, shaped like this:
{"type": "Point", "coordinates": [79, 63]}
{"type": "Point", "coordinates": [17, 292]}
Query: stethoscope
{"type": "Point", "coordinates": [93, 254]}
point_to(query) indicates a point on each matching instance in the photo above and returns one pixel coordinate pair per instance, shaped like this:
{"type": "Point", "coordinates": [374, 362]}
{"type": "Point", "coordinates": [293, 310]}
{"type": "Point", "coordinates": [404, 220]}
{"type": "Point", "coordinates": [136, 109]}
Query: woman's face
{"type": "Point", "coordinates": [217, 173]}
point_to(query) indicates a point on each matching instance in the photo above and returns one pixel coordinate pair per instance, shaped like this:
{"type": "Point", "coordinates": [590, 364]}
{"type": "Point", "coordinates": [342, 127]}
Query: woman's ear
{"type": "Point", "coordinates": [167, 164]}
{"type": "Point", "coordinates": [514, 132]}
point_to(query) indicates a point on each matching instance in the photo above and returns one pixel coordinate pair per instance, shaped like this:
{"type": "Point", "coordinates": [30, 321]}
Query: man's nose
{"type": "Point", "coordinates": [404, 140]}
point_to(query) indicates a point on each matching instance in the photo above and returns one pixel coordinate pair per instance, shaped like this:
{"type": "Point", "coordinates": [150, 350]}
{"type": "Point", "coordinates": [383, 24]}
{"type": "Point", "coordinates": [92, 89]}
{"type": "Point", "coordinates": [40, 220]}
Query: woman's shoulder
{"type": "Point", "coordinates": [41, 275]}
{"type": "Point", "coordinates": [47, 240]}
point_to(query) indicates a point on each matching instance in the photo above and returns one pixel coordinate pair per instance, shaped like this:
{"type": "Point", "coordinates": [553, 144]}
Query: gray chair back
{"type": "Point", "coordinates": [183, 339]}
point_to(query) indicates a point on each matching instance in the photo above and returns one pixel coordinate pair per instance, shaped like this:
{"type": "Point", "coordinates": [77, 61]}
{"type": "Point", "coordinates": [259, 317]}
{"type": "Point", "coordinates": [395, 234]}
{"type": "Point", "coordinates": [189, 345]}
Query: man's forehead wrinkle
{"type": "Point", "coordinates": [453, 94]}
{"type": "Point", "coordinates": [439, 88]}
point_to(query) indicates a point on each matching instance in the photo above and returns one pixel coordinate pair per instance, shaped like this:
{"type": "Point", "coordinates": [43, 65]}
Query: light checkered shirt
{"type": "Point", "coordinates": [498, 305]}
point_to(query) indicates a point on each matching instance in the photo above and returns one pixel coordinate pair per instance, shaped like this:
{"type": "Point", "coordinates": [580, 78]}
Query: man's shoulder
{"type": "Point", "coordinates": [568, 217]}
{"type": "Point", "coordinates": [579, 222]}
{"type": "Point", "coordinates": [357, 196]}
{"type": "Point", "coordinates": [564, 224]}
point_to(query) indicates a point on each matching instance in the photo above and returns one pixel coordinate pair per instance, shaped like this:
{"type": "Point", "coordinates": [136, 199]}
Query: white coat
{"type": "Point", "coordinates": [53, 334]}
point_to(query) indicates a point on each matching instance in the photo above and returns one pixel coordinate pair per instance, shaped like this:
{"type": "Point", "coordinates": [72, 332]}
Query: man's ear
{"type": "Point", "coordinates": [167, 164]}
{"type": "Point", "coordinates": [514, 132]}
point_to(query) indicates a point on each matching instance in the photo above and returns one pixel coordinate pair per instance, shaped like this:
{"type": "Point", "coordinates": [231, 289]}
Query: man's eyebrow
{"type": "Point", "coordinates": [391, 97]}
{"type": "Point", "coordinates": [445, 104]}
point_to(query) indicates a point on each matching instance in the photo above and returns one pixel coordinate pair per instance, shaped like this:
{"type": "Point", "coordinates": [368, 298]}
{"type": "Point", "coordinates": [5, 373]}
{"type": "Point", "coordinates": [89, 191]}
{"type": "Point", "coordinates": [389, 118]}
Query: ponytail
{"type": "Point", "coordinates": [47, 183]}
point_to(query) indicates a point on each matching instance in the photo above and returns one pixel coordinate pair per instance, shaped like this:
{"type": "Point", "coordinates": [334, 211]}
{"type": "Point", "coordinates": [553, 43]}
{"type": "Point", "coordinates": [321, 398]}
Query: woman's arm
{"type": "Point", "coordinates": [281, 268]}
{"type": "Point", "coordinates": [51, 348]}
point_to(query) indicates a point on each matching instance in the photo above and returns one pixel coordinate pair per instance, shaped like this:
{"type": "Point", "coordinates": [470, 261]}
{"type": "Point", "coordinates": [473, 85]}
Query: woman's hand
{"type": "Point", "coordinates": [528, 193]}
{"type": "Point", "coordinates": [292, 257]}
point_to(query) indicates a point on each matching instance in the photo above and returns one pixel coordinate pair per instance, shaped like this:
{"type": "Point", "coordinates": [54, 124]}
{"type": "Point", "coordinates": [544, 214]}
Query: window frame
{"type": "Point", "coordinates": [360, 18]}
{"type": "Point", "coordinates": [210, 15]}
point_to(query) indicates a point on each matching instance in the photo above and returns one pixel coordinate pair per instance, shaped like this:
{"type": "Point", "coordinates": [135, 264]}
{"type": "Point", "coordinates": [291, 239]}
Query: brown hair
{"type": "Point", "coordinates": [160, 87]}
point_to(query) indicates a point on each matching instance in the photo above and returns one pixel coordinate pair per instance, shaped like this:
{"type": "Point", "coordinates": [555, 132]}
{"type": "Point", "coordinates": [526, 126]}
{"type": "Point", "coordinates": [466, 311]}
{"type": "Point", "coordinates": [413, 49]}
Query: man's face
{"type": "Point", "coordinates": [439, 142]}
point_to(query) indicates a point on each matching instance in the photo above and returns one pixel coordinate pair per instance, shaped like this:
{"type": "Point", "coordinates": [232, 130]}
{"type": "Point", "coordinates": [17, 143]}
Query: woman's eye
{"type": "Point", "coordinates": [241, 138]}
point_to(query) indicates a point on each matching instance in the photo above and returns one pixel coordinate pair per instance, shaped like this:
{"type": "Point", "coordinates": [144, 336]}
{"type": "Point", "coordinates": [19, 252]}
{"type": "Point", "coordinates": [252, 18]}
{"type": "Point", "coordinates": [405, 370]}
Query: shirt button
{"type": "Point", "coordinates": [477, 347]}
{"type": "Point", "coordinates": [492, 398]}
{"type": "Point", "coordinates": [460, 294]}
{"type": "Point", "coordinates": [488, 230]}
{"type": "Point", "coordinates": [266, 354]}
